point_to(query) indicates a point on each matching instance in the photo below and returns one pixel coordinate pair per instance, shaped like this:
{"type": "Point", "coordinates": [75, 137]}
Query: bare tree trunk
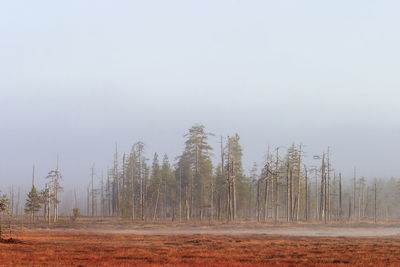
{"type": "Point", "coordinates": [223, 168]}
{"type": "Point", "coordinates": [375, 202]}
{"type": "Point", "coordinates": [268, 197]}
{"type": "Point", "coordinates": [273, 197]}
{"type": "Point", "coordinates": [117, 198]}
{"type": "Point", "coordinates": [334, 195]}
{"type": "Point", "coordinates": [298, 186]}
{"type": "Point", "coordinates": [12, 201]}
{"type": "Point", "coordinates": [55, 217]}
{"type": "Point", "coordinates": [350, 208]}
{"type": "Point", "coordinates": [92, 176]}
{"type": "Point", "coordinates": [180, 193]}
{"type": "Point", "coordinates": [340, 196]}
{"type": "Point", "coordinates": [323, 191]}
{"type": "Point", "coordinates": [229, 206]}
{"type": "Point", "coordinates": [212, 200]}
{"type": "Point", "coordinates": [48, 203]}
{"type": "Point", "coordinates": [258, 201]}
{"type": "Point", "coordinates": [141, 182]}
{"type": "Point", "coordinates": [276, 197]}
{"type": "Point", "coordinates": [354, 192]}
{"type": "Point", "coordinates": [187, 203]}
{"type": "Point", "coordinates": [316, 198]}
{"type": "Point", "coordinates": [76, 201]}
{"type": "Point", "coordinates": [155, 208]}
{"type": "Point", "coordinates": [325, 198]}
{"type": "Point", "coordinates": [329, 188]}
{"type": "Point", "coordinates": [102, 196]}
{"type": "Point", "coordinates": [233, 194]}
{"type": "Point", "coordinates": [306, 193]}
{"type": "Point", "coordinates": [133, 190]}
{"type": "Point", "coordinates": [365, 202]}
{"type": "Point", "coordinates": [88, 202]}
{"type": "Point", "coordinates": [291, 194]}
{"type": "Point", "coordinates": [19, 201]}
{"type": "Point", "coordinates": [359, 199]}
{"type": "Point", "coordinates": [288, 192]}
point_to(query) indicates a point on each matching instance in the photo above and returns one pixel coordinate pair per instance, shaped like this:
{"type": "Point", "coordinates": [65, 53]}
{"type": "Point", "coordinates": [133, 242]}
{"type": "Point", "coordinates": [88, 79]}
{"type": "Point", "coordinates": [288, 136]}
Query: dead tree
{"type": "Point", "coordinates": [268, 189]}
{"type": "Point", "coordinates": [288, 192]}
{"type": "Point", "coordinates": [231, 181]}
{"type": "Point", "coordinates": [306, 193]}
{"type": "Point", "coordinates": [229, 191]}
{"type": "Point", "coordinates": [323, 191]}
{"type": "Point", "coordinates": [354, 192]}
{"type": "Point", "coordinates": [316, 196]}
{"type": "Point", "coordinates": [55, 177]}
{"type": "Point", "coordinates": [340, 196]}
{"type": "Point", "coordinates": [102, 196]}
{"type": "Point", "coordinates": [334, 195]}
{"type": "Point", "coordinates": [109, 194]}
{"type": "Point", "coordinates": [33, 184]}
{"type": "Point", "coordinates": [212, 198]}
{"type": "Point", "coordinates": [258, 201]}
{"type": "Point", "coordinates": [361, 198]}
{"type": "Point", "coordinates": [267, 179]}
{"type": "Point", "coordinates": [140, 149]}
{"type": "Point", "coordinates": [92, 193]}
{"type": "Point", "coordinates": [350, 208]}
{"type": "Point", "coordinates": [48, 194]}
{"type": "Point", "coordinates": [298, 184]}
{"type": "Point", "coordinates": [328, 193]}
{"type": "Point", "coordinates": [291, 193]}
{"type": "Point", "coordinates": [275, 186]}
{"type": "Point", "coordinates": [116, 199]}
{"type": "Point", "coordinates": [56, 187]}
{"type": "Point", "coordinates": [266, 196]}
{"type": "Point", "coordinates": [375, 202]}
{"type": "Point", "coordinates": [222, 167]}
{"type": "Point", "coordinates": [88, 200]}
{"type": "Point", "coordinates": [132, 184]}
{"type": "Point", "coordinates": [180, 194]}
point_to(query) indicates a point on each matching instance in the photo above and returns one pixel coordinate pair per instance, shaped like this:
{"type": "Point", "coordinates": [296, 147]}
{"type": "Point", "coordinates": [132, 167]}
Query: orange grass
{"type": "Point", "coordinates": [75, 248]}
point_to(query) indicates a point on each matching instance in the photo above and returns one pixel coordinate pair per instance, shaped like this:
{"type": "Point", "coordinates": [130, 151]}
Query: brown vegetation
{"type": "Point", "coordinates": [78, 247]}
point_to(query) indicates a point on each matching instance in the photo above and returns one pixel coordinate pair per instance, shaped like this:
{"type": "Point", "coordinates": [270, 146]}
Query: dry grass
{"type": "Point", "coordinates": [77, 247]}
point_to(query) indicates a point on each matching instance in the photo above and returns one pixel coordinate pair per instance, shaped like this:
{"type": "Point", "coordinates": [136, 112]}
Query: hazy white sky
{"type": "Point", "coordinates": [78, 76]}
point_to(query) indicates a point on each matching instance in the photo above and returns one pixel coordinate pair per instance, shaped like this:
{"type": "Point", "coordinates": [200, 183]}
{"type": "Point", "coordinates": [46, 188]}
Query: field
{"type": "Point", "coordinates": [202, 246]}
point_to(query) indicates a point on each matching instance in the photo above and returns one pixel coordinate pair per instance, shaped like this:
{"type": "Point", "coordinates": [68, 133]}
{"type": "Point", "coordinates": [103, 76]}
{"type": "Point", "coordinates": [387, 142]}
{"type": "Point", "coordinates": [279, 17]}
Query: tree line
{"type": "Point", "coordinates": [282, 189]}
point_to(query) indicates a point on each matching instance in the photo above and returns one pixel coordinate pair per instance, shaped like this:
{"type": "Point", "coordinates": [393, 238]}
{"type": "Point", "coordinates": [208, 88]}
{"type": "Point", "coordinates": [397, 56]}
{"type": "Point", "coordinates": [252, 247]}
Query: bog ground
{"type": "Point", "coordinates": [217, 245]}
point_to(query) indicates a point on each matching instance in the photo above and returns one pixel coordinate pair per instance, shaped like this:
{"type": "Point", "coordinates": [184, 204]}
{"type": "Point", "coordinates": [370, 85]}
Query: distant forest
{"type": "Point", "coordinates": [284, 188]}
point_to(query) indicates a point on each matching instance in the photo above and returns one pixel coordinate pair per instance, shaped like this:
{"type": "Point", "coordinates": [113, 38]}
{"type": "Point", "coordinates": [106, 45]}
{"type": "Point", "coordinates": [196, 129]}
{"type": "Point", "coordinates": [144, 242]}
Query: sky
{"type": "Point", "coordinates": [77, 77]}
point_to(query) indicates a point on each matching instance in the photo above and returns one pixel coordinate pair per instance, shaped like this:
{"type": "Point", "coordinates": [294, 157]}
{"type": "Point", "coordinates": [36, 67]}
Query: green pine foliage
{"type": "Point", "coordinates": [3, 203]}
{"type": "Point", "coordinates": [33, 202]}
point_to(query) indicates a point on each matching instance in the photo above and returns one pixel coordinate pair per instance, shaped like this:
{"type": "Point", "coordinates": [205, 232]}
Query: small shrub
{"type": "Point", "coordinates": [75, 214]}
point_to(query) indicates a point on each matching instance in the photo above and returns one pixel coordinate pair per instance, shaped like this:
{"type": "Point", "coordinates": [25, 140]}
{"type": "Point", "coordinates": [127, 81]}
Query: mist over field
{"type": "Point", "coordinates": [78, 77]}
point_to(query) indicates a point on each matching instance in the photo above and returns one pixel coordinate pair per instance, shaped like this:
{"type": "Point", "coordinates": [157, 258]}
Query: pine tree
{"type": "Point", "coordinates": [3, 203]}
{"type": "Point", "coordinates": [196, 168]}
{"type": "Point", "coordinates": [32, 203]}
{"type": "Point", "coordinates": [3, 208]}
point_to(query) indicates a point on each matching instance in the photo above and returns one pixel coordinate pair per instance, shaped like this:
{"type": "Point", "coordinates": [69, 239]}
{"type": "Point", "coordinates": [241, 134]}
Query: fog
{"type": "Point", "coordinates": [285, 231]}
{"type": "Point", "coordinates": [80, 76]}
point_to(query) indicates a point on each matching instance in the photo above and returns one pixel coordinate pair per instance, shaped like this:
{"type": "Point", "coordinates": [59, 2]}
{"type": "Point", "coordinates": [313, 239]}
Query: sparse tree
{"type": "Point", "coordinates": [32, 204]}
